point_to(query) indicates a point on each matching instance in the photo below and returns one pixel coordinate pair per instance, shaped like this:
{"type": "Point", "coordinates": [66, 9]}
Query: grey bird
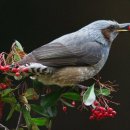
{"type": "Point", "coordinates": [74, 57]}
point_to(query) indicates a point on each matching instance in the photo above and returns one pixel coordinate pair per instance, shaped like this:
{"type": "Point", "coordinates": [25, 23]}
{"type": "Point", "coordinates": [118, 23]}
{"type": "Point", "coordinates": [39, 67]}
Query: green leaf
{"type": "Point", "coordinates": [52, 111]}
{"type": "Point", "coordinates": [40, 121]}
{"type": "Point", "coordinates": [19, 46]}
{"type": "Point", "coordinates": [7, 92]}
{"type": "Point", "coordinates": [72, 96]}
{"type": "Point", "coordinates": [38, 109]}
{"type": "Point", "coordinates": [17, 57]}
{"type": "Point", "coordinates": [66, 103]}
{"type": "Point", "coordinates": [10, 113]}
{"type": "Point", "coordinates": [89, 96]}
{"type": "Point", "coordinates": [34, 127]}
{"type": "Point", "coordinates": [104, 91]}
{"type": "Point", "coordinates": [27, 117]}
{"type": "Point", "coordinates": [10, 100]}
{"type": "Point", "coordinates": [18, 107]}
{"type": "Point", "coordinates": [30, 124]}
{"type": "Point", "coordinates": [50, 99]}
{"type": "Point", "coordinates": [30, 94]}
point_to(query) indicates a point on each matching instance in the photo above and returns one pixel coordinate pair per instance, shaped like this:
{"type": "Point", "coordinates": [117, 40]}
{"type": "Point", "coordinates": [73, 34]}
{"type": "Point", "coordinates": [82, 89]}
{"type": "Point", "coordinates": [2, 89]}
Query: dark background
{"type": "Point", "coordinates": [36, 22]}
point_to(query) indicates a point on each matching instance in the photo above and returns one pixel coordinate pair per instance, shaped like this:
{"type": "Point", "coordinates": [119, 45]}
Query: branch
{"type": "Point", "coordinates": [2, 126]}
{"type": "Point", "coordinates": [19, 120]}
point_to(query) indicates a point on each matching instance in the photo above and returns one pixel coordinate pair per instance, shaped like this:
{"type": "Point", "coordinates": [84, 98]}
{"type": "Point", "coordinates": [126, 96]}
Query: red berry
{"type": "Point", "coordinates": [14, 70]}
{"type": "Point", "coordinates": [109, 109]}
{"type": "Point", "coordinates": [2, 68]}
{"type": "Point", "coordinates": [64, 108]}
{"type": "Point", "coordinates": [102, 109]}
{"type": "Point", "coordinates": [114, 112]}
{"type": "Point", "coordinates": [91, 117]}
{"type": "Point", "coordinates": [25, 70]}
{"type": "Point", "coordinates": [7, 67]}
{"type": "Point", "coordinates": [17, 74]}
{"type": "Point", "coordinates": [98, 108]}
{"type": "Point", "coordinates": [92, 110]}
{"type": "Point", "coordinates": [96, 103]}
{"type": "Point", "coordinates": [110, 115]}
{"type": "Point", "coordinates": [100, 114]}
{"type": "Point", "coordinates": [73, 103]}
{"type": "Point", "coordinates": [99, 117]}
{"type": "Point", "coordinates": [3, 86]}
{"type": "Point", "coordinates": [96, 113]}
{"type": "Point", "coordinates": [105, 114]}
{"type": "Point", "coordinates": [128, 27]}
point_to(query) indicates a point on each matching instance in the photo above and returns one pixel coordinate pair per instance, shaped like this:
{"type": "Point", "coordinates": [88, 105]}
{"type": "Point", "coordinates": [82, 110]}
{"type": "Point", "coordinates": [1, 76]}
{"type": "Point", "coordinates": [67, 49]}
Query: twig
{"type": "Point", "coordinates": [50, 125]}
{"type": "Point", "coordinates": [2, 126]}
{"type": "Point", "coordinates": [111, 101]}
{"type": "Point", "coordinates": [19, 120]}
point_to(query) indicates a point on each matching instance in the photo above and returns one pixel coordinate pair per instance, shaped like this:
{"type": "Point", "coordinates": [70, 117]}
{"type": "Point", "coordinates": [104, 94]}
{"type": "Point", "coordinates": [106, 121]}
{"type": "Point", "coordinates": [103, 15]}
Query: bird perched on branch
{"type": "Point", "coordinates": [75, 57]}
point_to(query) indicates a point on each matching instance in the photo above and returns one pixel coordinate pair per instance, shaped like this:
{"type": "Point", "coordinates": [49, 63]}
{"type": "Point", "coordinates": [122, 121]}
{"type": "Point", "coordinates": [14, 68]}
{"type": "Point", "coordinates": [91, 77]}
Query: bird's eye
{"type": "Point", "coordinates": [112, 27]}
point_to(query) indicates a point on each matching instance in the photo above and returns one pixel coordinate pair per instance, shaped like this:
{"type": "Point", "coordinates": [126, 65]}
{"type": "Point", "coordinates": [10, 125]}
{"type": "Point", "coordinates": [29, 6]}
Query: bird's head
{"type": "Point", "coordinates": [107, 30]}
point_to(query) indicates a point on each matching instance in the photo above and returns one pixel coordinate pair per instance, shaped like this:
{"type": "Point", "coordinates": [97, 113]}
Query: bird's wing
{"type": "Point", "coordinates": [57, 54]}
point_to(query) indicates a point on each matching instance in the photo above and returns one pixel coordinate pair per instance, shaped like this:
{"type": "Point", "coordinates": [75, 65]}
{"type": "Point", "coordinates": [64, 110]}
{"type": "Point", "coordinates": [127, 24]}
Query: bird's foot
{"type": "Point", "coordinates": [35, 68]}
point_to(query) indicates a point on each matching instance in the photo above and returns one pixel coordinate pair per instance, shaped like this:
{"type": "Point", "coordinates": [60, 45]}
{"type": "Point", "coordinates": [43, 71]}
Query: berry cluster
{"type": "Point", "coordinates": [5, 68]}
{"type": "Point", "coordinates": [3, 86]}
{"type": "Point", "coordinates": [100, 112]}
{"type": "Point", "coordinates": [16, 70]}
{"type": "Point", "coordinates": [9, 69]}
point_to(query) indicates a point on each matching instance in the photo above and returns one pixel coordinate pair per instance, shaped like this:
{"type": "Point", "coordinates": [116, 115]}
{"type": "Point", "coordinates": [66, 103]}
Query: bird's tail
{"type": "Point", "coordinates": [29, 62]}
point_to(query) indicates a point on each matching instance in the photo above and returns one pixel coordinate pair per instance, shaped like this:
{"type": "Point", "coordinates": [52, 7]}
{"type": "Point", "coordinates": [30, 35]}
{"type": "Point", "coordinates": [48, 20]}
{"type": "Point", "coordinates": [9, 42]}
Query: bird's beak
{"type": "Point", "coordinates": [123, 27]}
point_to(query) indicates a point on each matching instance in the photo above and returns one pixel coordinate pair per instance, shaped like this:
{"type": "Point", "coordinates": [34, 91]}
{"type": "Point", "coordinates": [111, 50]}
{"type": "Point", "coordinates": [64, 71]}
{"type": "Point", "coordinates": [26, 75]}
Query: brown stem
{"type": "Point", "coordinates": [19, 120]}
{"type": "Point", "coordinates": [2, 126]}
{"type": "Point", "coordinates": [50, 124]}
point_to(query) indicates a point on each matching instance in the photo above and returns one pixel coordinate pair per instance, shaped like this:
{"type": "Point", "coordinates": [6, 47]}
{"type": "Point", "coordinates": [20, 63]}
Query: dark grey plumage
{"type": "Point", "coordinates": [74, 57]}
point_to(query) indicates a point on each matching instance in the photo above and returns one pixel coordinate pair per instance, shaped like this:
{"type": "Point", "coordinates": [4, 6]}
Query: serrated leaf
{"type": "Point", "coordinates": [6, 92]}
{"type": "Point", "coordinates": [30, 94]}
{"type": "Point", "coordinates": [40, 121]}
{"type": "Point", "coordinates": [89, 96]}
{"type": "Point", "coordinates": [10, 100]}
{"type": "Point", "coordinates": [19, 46]}
{"type": "Point", "coordinates": [104, 91]}
{"type": "Point", "coordinates": [72, 96]}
